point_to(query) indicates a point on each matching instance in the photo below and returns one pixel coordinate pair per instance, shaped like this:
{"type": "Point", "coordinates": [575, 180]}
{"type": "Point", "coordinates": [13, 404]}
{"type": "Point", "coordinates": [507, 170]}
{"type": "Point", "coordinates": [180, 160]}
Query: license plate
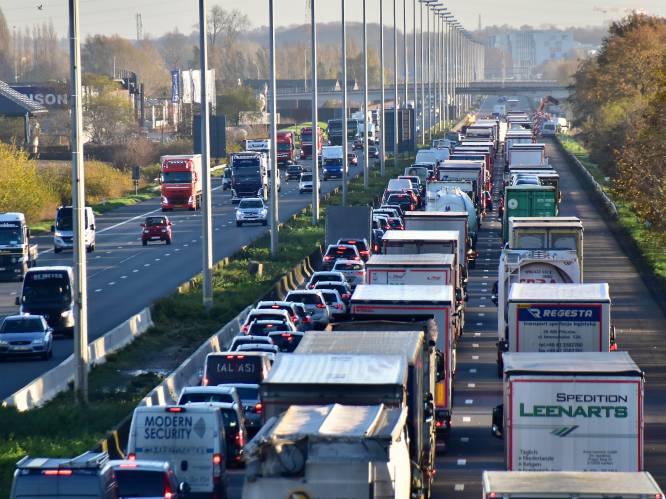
{"type": "Point", "coordinates": [2, 268]}
{"type": "Point", "coordinates": [20, 349]}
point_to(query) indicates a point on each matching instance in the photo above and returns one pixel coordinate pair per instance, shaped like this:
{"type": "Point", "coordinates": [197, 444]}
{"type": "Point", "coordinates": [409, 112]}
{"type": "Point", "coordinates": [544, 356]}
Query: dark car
{"type": "Point", "coordinates": [234, 429]}
{"type": "Point", "coordinates": [252, 406]}
{"type": "Point", "coordinates": [489, 200]}
{"type": "Point", "coordinates": [352, 159]}
{"type": "Point", "coordinates": [401, 212]}
{"type": "Point", "coordinates": [294, 172]}
{"type": "Point", "coordinates": [377, 238]}
{"type": "Point", "coordinates": [403, 199]}
{"type": "Point", "coordinates": [339, 251]}
{"type": "Point", "coordinates": [26, 335]}
{"type": "Point", "coordinates": [343, 289]}
{"type": "Point", "coordinates": [396, 223]}
{"type": "Point", "coordinates": [373, 152]}
{"type": "Point", "coordinates": [361, 245]}
{"type": "Point", "coordinates": [296, 311]}
{"type": "Point", "coordinates": [139, 478]}
{"type": "Point", "coordinates": [286, 342]}
{"type": "Point", "coordinates": [264, 327]}
{"type": "Point", "coordinates": [156, 229]}
{"type": "Point", "coordinates": [358, 145]}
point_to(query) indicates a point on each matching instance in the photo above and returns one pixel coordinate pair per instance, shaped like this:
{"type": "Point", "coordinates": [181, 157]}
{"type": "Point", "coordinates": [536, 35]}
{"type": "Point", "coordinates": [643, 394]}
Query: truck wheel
{"type": "Point", "coordinates": [168, 241]}
{"type": "Point", "coordinates": [264, 223]}
{"type": "Point", "coordinates": [56, 249]}
{"type": "Point", "coordinates": [144, 242]}
{"type": "Point", "coordinates": [89, 249]}
{"type": "Point", "coordinates": [238, 224]}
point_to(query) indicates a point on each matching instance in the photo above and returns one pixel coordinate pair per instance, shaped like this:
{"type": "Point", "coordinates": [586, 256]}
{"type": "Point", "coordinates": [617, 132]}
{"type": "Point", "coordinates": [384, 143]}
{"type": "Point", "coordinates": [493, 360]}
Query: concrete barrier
{"type": "Point", "coordinates": [58, 379]}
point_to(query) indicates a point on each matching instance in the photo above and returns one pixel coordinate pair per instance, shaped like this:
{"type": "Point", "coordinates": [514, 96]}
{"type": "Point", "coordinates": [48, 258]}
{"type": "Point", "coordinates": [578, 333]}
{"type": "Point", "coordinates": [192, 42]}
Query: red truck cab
{"type": "Point", "coordinates": [286, 151]}
{"type": "Point", "coordinates": [306, 142]}
{"type": "Point", "coordinates": [180, 179]}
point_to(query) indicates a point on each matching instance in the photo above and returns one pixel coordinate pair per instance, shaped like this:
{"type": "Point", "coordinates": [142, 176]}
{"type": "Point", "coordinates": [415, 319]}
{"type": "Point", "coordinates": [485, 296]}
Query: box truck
{"type": "Point", "coordinates": [331, 451]}
{"type": "Point", "coordinates": [417, 302]}
{"type": "Point", "coordinates": [348, 222]}
{"type": "Point", "coordinates": [559, 318]}
{"type": "Point", "coordinates": [527, 201]}
{"type": "Point", "coordinates": [180, 180]}
{"type": "Point", "coordinates": [527, 154]}
{"type": "Point", "coordinates": [421, 375]}
{"type": "Point", "coordinates": [572, 412]}
{"type": "Point", "coordinates": [569, 485]}
{"type": "Point", "coordinates": [529, 266]}
{"type": "Point", "coordinates": [430, 269]}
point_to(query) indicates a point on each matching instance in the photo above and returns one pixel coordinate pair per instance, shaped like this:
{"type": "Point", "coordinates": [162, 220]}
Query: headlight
{"type": "Point", "coordinates": [146, 231]}
{"type": "Point", "coordinates": [4, 342]}
{"type": "Point", "coordinates": [57, 234]}
{"type": "Point", "coordinates": [163, 230]}
{"type": "Point", "coordinates": [38, 342]}
{"type": "Point", "coordinates": [165, 200]}
{"type": "Point", "coordinates": [66, 313]}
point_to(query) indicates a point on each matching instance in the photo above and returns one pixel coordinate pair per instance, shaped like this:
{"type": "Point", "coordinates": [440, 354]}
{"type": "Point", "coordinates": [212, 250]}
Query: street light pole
{"type": "Point", "coordinates": [382, 124]}
{"type": "Point", "coordinates": [315, 120]}
{"type": "Point", "coordinates": [404, 50]}
{"type": "Point", "coordinates": [422, 81]}
{"type": "Point", "coordinates": [435, 68]}
{"type": "Point", "coordinates": [345, 161]}
{"type": "Point", "coordinates": [395, 85]}
{"type": "Point", "coordinates": [206, 207]}
{"type": "Point", "coordinates": [366, 156]}
{"type": "Point", "coordinates": [429, 99]}
{"type": "Point", "coordinates": [78, 209]}
{"type": "Point", "coordinates": [273, 135]}
{"type": "Point", "coordinates": [415, 85]}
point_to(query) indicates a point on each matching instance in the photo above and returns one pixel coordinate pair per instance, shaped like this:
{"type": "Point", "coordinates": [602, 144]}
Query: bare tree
{"type": "Point", "coordinates": [224, 26]}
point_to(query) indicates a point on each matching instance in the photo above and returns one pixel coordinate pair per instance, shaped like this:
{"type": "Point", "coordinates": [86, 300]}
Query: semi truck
{"type": "Point", "coordinates": [527, 155]}
{"type": "Point", "coordinates": [467, 170]}
{"type": "Point", "coordinates": [529, 266]}
{"type": "Point", "coordinates": [569, 485]}
{"type": "Point", "coordinates": [559, 318]}
{"type": "Point", "coordinates": [331, 450]}
{"type": "Point", "coordinates": [417, 302]}
{"type": "Point", "coordinates": [180, 179]}
{"type": "Point", "coordinates": [454, 196]}
{"type": "Point", "coordinates": [249, 176]}
{"type": "Point", "coordinates": [420, 353]}
{"type": "Point", "coordinates": [17, 255]}
{"type": "Point", "coordinates": [335, 131]}
{"type": "Point", "coordinates": [307, 141]}
{"type": "Point", "coordinates": [527, 201]}
{"type": "Point", "coordinates": [348, 222]}
{"type": "Point", "coordinates": [568, 411]}
{"type": "Point", "coordinates": [286, 148]}
{"type": "Point", "coordinates": [428, 269]}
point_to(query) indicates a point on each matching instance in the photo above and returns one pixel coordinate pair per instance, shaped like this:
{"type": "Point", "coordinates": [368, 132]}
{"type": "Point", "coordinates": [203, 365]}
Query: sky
{"type": "Point", "coordinates": [159, 16]}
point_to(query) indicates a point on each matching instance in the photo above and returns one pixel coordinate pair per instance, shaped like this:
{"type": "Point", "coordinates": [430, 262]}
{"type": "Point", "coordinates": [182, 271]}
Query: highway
{"type": "Point", "coordinates": [641, 325]}
{"type": "Point", "coordinates": [124, 277]}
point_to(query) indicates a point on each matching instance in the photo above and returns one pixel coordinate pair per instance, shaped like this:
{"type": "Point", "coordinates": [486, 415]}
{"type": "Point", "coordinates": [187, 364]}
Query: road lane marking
{"type": "Point", "coordinates": [481, 314]}
{"type": "Point", "coordinates": [475, 357]}
{"type": "Point", "coordinates": [135, 270]}
{"type": "Point", "coordinates": [475, 345]}
{"type": "Point", "coordinates": [97, 290]}
{"type": "Point", "coordinates": [477, 334]}
{"type": "Point", "coordinates": [146, 265]}
{"type": "Point", "coordinates": [472, 371]}
{"type": "Point", "coordinates": [467, 419]}
{"type": "Point", "coordinates": [123, 277]}
{"type": "Point", "coordinates": [462, 462]}
{"type": "Point", "coordinates": [459, 487]}
{"type": "Point", "coordinates": [469, 401]}
{"type": "Point", "coordinates": [479, 323]}
{"type": "Point", "coordinates": [464, 439]}
{"type": "Point", "coordinates": [471, 385]}
{"type": "Point", "coordinates": [112, 283]}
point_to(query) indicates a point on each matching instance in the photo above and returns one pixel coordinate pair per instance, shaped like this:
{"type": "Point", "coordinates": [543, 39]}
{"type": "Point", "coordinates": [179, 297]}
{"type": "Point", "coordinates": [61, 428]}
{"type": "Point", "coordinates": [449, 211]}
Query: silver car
{"type": "Point", "coordinates": [335, 303]}
{"type": "Point", "coordinates": [314, 303]}
{"type": "Point", "coordinates": [251, 210]}
{"type": "Point", "coordinates": [26, 335]}
{"type": "Point", "coordinates": [354, 271]}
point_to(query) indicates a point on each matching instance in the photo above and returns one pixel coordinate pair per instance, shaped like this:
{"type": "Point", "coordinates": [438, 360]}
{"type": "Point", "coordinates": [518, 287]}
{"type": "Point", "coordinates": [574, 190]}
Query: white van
{"type": "Point", "coordinates": [399, 184]}
{"type": "Point", "coordinates": [190, 438]}
{"type": "Point", "coordinates": [427, 156]}
{"type": "Point", "coordinates": [63, 229]}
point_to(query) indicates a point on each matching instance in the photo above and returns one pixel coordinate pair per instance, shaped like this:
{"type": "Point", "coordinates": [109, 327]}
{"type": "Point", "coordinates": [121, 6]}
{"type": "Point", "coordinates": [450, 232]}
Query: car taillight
{"type": "Point", "coordinates": [244, 328]}
{"type": "Point", "coordinates": [307, 319]}
{"type": "Point", "coordinates": [128, 465]}
{"type": "Point", "coordinates": [339, 305]}
{"type": "Point", "coordinates": [376, 248]}
{"type": "Point", "coordinates": [57, 472]}
{"type": "Point", "coordinates": [294, 319]}
{"type": "Point", "coordinates": [321, 305]}
{"type": "Point", "coordinates": [258, 407]}
{"type": "Point", "coordinates": [439, 424]}
{"type": "Point", "coordinates": [345, 296]}
{"type": "Point", "coordinates": [168, 492]}
{"type": "Point", "coordinates": [240, 438]}
{"type": "Point", "coordinates": [217, 459]}
{"type": "Point", "coordinates": [312, 286]}
{"type": "Point", "coordinates": [357, 258]}
{"type": "Point", "coordinates": [365, 252]}
{"type": "Point", "coordinates": [204, 382]}
{"type": "Point", "coordinates": [131, 456]}
{"type": "Point", "coordinates": [613, 347]}
{"type": "Point", "coordinates": [175, 409]}
{"type": "Point", "coordinates": [328, 257]}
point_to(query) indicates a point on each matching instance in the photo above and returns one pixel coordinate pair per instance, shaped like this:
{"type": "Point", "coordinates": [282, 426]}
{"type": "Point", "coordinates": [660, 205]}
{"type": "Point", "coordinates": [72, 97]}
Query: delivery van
{"type": "Point", "coordinates": [235, 367]}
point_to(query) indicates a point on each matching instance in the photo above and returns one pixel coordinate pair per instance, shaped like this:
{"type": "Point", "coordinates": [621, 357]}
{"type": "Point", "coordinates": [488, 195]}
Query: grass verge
{"type": "Point", "coordinates": [649, 243]}
{"type": "Point", "coordinates": [63, 428]}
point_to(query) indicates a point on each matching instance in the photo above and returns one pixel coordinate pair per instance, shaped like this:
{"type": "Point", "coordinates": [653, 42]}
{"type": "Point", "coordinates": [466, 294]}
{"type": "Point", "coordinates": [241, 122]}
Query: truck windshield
{"type": "Point", "coordinates": [333, 162]}
{"type": "Point", "coordinates": [306, 137]}
{"type": "Point", "coordinates": [245, 173]}
{"type": "Point", "coordinates": [40, 287]}
{"type": "Point", "coordinates": [64, 219]}
{"type": "Point", "coordinates": [176, 177]}
{"type": "Point", "coordinates": [284, 146]}
{"type": "Point", "coordinates": [10, 234]}
{"type": "Point", "coordinates": [140, 483]}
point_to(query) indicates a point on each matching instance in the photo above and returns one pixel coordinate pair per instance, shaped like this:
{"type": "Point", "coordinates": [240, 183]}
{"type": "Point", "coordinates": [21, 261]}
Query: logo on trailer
{"type": "Point", "coordinates": [512, 204]}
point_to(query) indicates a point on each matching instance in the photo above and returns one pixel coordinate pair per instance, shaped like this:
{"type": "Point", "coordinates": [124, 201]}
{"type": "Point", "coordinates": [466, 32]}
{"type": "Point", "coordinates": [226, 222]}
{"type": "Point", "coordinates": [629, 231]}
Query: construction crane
{"type": "Point", "coordinates": [541, 116]}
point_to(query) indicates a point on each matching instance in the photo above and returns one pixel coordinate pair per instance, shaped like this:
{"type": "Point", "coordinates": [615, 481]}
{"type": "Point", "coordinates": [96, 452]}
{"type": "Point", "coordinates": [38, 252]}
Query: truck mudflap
{"type": "Point", "coordinates": [502, 347]}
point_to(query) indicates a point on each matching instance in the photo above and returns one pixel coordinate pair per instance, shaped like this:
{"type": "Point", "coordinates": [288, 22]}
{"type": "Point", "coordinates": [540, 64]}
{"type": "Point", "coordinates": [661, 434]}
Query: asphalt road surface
{"type": "Point", "coordinates": [124, 277]}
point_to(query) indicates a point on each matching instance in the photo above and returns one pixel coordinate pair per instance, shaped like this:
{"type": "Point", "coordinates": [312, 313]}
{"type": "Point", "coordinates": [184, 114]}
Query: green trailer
{"type": "Point", "coordinates": [528, 201]}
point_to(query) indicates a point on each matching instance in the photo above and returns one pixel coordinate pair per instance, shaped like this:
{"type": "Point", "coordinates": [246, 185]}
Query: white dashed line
{"type": "Point", "coordinates": [146, 265]}
{"type": "Point", "coordinates": [471, 385]}
{"type": "Point", "coordinates": [464, 439]}
{"type": "Point", "coordinates": [475, 357]}
{"type": "Point", "coordinates": [459, 487]}
{"type": "Point", "coordinates": [112, 283]}
{"type": "Point", "coordinates": [467, 419]}
{"type": "Point", "coordinates": [97, 290]}
{"type": "Point", "coordinates": [472, 371]}
{"type": "Point", "coordinates": [186, 245]}
{"type": "Point", "coordinates": [486, 270]}
{"type": "Point", "coordinates": [479, 323]}
{"type": "Point", "coordinates": [482, 306]}
{"type": "Point", "coordinates": [477, 334]}
{"type": "Point", "coordinates": [135, 270]}
{"type": "Point", "coordinates": [469, 401]}
{"type": "Point", "coordinates": [123, 277]}
{"type": "Point", "coordinates": [167, 254]}
{"type": "Point", "coordinates": [157, 259]}
{"type": "Point", "coordinates": [475, 345]}
{"type": "Point", "coordinates": [462, 462]}
{"type": "Point", "coordinates": [481, 314]}
{"type": "Point", "coordinates": [177, 249]}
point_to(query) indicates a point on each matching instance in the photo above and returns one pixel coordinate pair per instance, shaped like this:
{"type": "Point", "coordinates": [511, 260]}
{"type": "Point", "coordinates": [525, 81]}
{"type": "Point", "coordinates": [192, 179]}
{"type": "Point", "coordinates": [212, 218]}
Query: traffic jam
{"type": "Point", "coordinates": [345, 387]}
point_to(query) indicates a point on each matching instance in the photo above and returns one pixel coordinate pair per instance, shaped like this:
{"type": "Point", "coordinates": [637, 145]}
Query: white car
{"type": "Point", "coordinates": [305, 182]}
{"type": "Point", "coordinates": [251, 210]}
{"type": "Point", "coordinates": [354, 271]}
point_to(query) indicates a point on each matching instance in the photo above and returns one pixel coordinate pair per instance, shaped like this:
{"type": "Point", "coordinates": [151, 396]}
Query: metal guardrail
{"type": "Point", "coordinates": [56, 380]}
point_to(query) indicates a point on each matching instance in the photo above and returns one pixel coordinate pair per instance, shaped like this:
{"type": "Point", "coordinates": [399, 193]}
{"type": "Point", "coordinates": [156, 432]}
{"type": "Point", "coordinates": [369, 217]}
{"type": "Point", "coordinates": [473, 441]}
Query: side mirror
{"type": "Point", "coordinates": [17, 300]}
{"type": "Point", "coordinates": [497, 429]}
{"type": "Point", "coordinates": [184, 488]}
{"type": "Point", "coordinates": [27, 233]}
{"type": "Point", "coordinates": [52, 229]}
{"type": "Point", "coordinates": [143, 225]}
{"type": "Point", "coordinates": [92, 226]}
{"type": "Point", "coordinates": [495, 287]}
{"type": "Point", "coordinates": [440, 366]}
{"type": "Point", "coordinates": [494, 300]}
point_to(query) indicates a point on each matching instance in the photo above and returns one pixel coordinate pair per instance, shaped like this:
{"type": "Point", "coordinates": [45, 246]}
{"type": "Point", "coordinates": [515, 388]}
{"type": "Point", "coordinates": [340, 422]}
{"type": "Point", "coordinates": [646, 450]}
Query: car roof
{"type": "Point", "coordinates": [345, 261]}
{"type": "Point", "coordinates": [206, 389]}
{"type": "Point", "coordinates": [304, 292]}
{"type": "Point", "coordinates": [323, 272]}
{"type": "Point", "coordinates": [248, 336]}
{"type": "Point", "coordinates": [281, 303]}
{"type": "Point", "coordinates": [266, 321]}
{"type": "Point", "coordinates": [22, 316]}
{"type": "Point", "coordinates": [330, 283]}
{"type": "Point", "coordinates": [266, 311]}
{"type": "Point", "coordinates": [355, 239]}
{"type": "Point", "coordinates": [329, 291]}
{"type": "Point", "coordinates": [252, 199]}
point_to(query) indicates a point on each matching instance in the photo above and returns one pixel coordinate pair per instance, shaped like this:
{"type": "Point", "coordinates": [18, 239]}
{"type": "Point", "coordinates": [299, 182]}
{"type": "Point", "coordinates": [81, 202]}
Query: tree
{"type": "Point", "coordinates": [6, 72]}
{"type": "Point", "coordinates": [176, 49]}
{"type": "Point", "coordinates": [108, 115]}
{"type": "Point", "coordinates": [235, 100]}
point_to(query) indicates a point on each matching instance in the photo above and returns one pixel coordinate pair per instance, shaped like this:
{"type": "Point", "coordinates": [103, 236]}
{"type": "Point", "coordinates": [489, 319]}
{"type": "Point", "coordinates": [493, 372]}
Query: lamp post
{"type": "Point", "coordinates": [315, 119]}
{"type": "Point", "coordinates": [415, 86]}
{"type": "Point", "coordinates": [366, 156]}
{"type": "Point", "coordinates": [395, 85]}
{"type": "Point", "coordinates": [345, 161]}
{"type": "Point", "coordinates": [382, 124]}
{"type": "Point", "coordinates": [273, 135]}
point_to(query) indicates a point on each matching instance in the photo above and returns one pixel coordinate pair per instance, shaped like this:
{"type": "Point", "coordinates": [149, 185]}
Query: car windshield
{"type": "Point", "coordinates": [398, 198]}
{"type": "Point", "coordinates": [22, 326]}
{"type": "Point", "coordinates": [176, 177]}
{"type": "Point", "coordinates": [325, 277]}
{"type": "Point", "coordinates": [306, 178]}
{"type": "Point", "coordinates": [230, 418]}
{"type": "Point", "coordinates": [262, 329]}
{"type": "Point", "coordinates": [330, 297]}
{"type": "Point", "coordinates": [254, 203]}
{"type": "Point", "coordinates": [64, 220]}
{"type": "Point", "coordinates": [189, 398]}
{"type": "Point", "coordinates": [307, 298]}
{"type": "Point", "coordinates": [10, 234]}
{"type": "Point", "coordinates": [140, 483]}
{"type": "Point", "coordinates": [155, 221]}
{"type": "Point", "coordinates": [40, 287]}
{"type": "Point", "coordinates": [248, 392]}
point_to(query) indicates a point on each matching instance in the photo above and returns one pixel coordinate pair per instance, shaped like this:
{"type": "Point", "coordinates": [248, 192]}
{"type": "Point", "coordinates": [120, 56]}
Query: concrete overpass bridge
{"type": "Point", "coordinates": [532, 88]}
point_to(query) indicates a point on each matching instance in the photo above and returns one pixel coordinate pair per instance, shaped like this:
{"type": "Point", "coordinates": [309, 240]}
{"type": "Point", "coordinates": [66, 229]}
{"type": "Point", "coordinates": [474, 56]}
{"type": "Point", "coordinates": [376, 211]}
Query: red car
{"type": "Point", "coordinates": [352, 158]}
{"type": "Point", "coordinates": [156, 228]}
